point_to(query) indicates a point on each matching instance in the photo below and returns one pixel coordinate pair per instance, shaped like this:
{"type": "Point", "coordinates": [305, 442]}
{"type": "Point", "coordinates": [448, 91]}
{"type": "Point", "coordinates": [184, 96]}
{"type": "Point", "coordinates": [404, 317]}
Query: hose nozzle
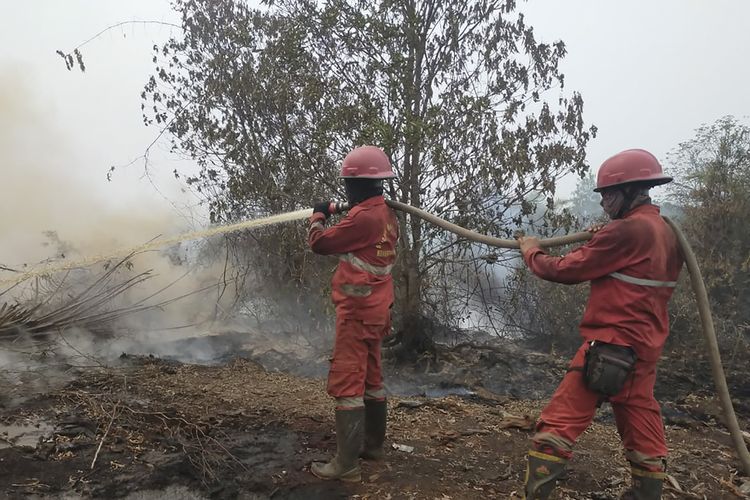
{"type": "Point", "coordinates": [337, 207]}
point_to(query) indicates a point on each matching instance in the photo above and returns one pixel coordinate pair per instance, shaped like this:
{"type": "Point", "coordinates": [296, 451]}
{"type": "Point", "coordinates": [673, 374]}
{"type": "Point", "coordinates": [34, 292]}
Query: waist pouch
{"type": "Point", "coordinates": [607, 367]}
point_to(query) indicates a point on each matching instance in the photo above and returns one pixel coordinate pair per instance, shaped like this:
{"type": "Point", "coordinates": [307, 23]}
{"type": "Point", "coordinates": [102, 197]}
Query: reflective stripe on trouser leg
{"type": "Point", "coordinates": [637, 471]}
{"type": "Point", "coordinates": [552, 444]}
{"type": "Point", "coordinates": [378, 394]}
{"type": "Point", "coordinates": [644, 462]}
{"type": "Point", "coordinates": [349, 403]}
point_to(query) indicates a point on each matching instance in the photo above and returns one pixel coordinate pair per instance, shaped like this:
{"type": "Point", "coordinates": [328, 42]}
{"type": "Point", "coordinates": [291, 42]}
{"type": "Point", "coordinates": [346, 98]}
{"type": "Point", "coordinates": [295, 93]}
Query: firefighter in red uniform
{"type": "Point", "coordinates": [632, 263]}
{"type": "Point", "coordinates": [362, 291]}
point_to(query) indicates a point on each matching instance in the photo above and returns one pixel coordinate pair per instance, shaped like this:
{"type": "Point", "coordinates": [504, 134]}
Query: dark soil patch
{"type": "Point", "coordinates": [238, 431]}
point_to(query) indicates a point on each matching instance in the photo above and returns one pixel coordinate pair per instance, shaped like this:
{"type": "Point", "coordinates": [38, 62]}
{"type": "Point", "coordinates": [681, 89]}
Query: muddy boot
{"type": "Point", "coordinates": [376, 412]}
{"type": "Point", "coordinates": [542, 471]}
{"type": "Point", "coordinates": [647, 485]}
{"type": "Point", "coordinates": [349, 434]}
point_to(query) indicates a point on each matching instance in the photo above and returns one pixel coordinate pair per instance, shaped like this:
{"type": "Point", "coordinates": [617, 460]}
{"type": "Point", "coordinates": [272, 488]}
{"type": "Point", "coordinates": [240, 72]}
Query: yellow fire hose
{"type": "Point", "coordinates": [699, 288]}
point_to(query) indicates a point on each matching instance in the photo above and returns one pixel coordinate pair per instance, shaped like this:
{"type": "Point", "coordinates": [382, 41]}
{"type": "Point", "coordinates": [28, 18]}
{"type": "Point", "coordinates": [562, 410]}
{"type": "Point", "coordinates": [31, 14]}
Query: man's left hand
{"type": "Point", "coordinates": [527, 243]}
{"type": "Point", "coordinates": [322, 207]}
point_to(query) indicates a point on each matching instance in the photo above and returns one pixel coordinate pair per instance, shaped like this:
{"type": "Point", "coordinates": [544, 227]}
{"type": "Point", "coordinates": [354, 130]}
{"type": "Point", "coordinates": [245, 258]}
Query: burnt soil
{"type": "Point", "coordinates": [171, 430]}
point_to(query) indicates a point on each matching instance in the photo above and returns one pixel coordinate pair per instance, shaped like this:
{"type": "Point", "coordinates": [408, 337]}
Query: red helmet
{"type": "Point", "coordinates": [367, 162]}
{"type": "Point", "coordinates": [631, 165]}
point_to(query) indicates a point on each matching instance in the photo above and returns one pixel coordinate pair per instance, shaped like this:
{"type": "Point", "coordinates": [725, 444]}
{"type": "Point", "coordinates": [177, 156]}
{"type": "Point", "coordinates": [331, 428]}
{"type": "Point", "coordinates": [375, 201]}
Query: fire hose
{"type": "Point", "coordinates": [696, 279]}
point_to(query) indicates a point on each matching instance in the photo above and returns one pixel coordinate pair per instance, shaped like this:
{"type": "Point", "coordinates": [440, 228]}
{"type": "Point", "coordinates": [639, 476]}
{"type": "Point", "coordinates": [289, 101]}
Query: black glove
{"type": "Point", "coordinates": [323, 207]}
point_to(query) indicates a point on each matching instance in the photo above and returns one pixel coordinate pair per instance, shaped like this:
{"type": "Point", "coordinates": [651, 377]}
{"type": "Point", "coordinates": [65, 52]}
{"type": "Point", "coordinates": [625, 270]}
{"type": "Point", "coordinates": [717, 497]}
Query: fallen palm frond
{"type": "Point", "coordinates": [57, 308]}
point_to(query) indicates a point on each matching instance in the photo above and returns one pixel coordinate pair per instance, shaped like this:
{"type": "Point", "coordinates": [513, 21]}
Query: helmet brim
{"type": "Point", "coordinates": [652, 181]}
{"type": "Point", "coordinates": [370, 177]}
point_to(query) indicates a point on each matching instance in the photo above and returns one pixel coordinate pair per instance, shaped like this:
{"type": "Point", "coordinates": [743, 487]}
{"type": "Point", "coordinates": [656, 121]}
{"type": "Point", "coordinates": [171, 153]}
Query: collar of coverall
{"type": "Point", "coordinates": [642, 208]}
{"type": "Point", "coordinates": [373, 200]}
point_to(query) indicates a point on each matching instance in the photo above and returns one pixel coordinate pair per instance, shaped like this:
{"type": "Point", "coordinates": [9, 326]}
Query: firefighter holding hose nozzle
{"type": "Point", "coordinates": [362, 291]}
{"type": "Point", "coordinates": [633, 264]}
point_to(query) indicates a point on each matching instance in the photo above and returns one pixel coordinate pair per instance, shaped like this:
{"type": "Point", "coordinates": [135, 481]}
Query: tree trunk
{"type": "Point", "coordinates": [413, 337]}
{"type": "Point", "coordinates": [412, 285]}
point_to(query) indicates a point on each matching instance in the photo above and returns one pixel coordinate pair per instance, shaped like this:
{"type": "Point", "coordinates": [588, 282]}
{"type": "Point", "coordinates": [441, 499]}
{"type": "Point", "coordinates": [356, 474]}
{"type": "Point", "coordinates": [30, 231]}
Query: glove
{"type": "Point", "coordinates": [322, 207]}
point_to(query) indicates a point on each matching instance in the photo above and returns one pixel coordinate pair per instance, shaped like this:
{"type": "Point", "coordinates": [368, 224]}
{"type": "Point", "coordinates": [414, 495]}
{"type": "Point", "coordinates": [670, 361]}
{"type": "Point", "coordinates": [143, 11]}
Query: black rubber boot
{"type": "Point", "coordinates": [376, 415]}
{"type": "Point", "coordinates": [344, 466]}
{"type": "Point", "coordinates": [647, 485]}
{"type": "Point", "coordinates": [542, 471]}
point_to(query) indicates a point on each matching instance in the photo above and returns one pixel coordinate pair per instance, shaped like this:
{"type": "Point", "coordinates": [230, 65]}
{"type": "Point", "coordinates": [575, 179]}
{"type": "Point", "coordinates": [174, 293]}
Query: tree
{"type": "Point", "coordinates": [466, 102]}
{"type": "Point", "coordinates": [712, 188]}
{"type": "Point", "coordinates": [584, 203]}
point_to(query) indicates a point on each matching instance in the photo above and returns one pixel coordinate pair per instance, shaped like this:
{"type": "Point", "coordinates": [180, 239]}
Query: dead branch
{"type": "Point", "coordinates": [99, 448]}
{"type": "Point", "coordinates": [87, 308]}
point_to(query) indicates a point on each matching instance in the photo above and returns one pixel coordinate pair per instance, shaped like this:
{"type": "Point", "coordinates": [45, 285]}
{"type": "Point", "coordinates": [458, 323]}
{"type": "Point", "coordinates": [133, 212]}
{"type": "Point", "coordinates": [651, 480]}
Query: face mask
{"type": "Point", "coordinates": [617, 202]}
{"type": "Point", "coordinates": [358, 190]}
{"type": "Point", "coordinates": [612, 202]}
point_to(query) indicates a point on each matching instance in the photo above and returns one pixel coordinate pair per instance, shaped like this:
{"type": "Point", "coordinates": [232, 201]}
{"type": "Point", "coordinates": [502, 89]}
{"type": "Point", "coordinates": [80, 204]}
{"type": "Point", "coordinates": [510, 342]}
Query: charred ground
{"type": "Point", "coordinates": [172, 430]}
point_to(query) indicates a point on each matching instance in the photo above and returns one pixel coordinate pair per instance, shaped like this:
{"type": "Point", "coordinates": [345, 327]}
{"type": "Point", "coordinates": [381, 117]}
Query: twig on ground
{"type": "Point", "coordinates": [96, 455]}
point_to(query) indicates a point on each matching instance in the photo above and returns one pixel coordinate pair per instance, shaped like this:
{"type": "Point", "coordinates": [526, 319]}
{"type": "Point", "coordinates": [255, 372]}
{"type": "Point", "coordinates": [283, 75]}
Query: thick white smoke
{"type": "Point", "coordinates": [53, 210]}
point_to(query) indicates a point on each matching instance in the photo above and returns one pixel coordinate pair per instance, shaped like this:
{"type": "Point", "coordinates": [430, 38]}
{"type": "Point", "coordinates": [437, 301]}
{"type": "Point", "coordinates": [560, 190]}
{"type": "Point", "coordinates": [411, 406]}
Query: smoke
{"type": "Point", "coordinates": [45, 187]}
{"type": "Point", "coordinates": [55, 209]}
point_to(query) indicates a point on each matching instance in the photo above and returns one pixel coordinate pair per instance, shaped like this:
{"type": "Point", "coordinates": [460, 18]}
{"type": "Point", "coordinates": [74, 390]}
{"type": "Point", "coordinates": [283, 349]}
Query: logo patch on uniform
{"type": "Point", "coordinates": [542, 470]}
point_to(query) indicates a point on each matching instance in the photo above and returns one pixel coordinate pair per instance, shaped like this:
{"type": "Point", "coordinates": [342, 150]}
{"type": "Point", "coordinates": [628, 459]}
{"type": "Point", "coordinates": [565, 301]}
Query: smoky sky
{"type": "Point", "coordinates": [650, 74]}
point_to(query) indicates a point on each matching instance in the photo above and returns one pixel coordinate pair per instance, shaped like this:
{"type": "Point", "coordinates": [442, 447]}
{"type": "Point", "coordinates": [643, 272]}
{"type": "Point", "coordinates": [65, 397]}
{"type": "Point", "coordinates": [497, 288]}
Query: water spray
{"type": "Point", "coordinates": [154, 244]}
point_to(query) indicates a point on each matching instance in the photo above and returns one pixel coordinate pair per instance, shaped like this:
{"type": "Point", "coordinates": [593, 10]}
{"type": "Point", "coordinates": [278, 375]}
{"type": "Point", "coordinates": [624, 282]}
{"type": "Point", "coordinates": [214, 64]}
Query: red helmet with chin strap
{"type": "Point", "coordinates": [366, 162]}
{"type": "Point", "coordinates": [631, 165]}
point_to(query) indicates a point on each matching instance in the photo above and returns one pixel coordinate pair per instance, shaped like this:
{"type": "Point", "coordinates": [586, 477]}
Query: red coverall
{"type": "Point", "coordinates": [362, 291]}
{"type": "Point", "coordinates": [632, 264]}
